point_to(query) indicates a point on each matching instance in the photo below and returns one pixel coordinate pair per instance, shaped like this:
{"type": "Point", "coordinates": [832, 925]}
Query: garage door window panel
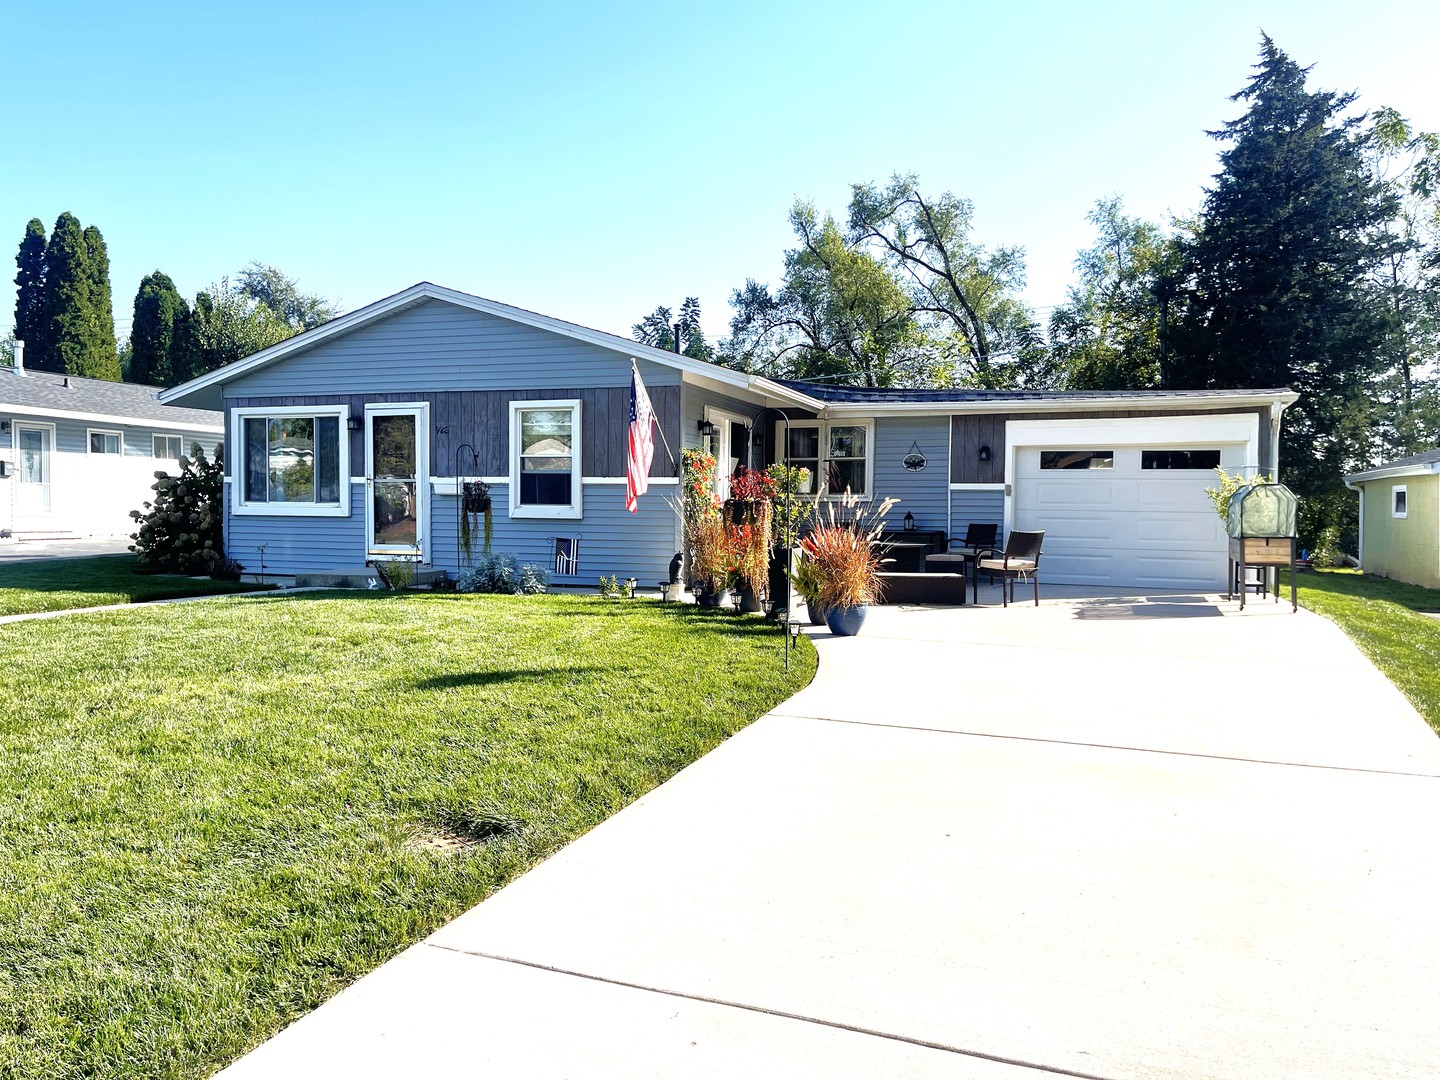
{"type": "Point", "coordinates": [1186, 460]}
{"type": "Point", "coordinates": [1077, 459]}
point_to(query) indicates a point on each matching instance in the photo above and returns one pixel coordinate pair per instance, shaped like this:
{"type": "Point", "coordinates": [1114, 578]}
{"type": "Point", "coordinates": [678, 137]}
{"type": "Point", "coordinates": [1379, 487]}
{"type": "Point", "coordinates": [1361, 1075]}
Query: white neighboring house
{"type": "Point", "coordinates": [77, 455]}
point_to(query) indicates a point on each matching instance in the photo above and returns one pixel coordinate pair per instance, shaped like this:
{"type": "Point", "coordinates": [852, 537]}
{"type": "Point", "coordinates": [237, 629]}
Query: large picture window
{"type": "Point", "coordinates": [291, 461]}
{"type": "Point", "coordinates": [545, 459]}
{"type": "Point", "coordinates": [839, 456]}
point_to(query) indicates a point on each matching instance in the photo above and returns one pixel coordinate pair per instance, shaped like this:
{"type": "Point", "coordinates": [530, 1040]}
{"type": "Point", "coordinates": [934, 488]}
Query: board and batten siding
{"type": "Point", "coordinates": [612, 540]}
{"type": "Point", "coordinates": [481, 418]}
{"type": "Point", "coordinates": [924, 493]}
{"type": "Point", "coordinates": [439, 346]}
{"type": "Point", "coordinates": [970, 431]}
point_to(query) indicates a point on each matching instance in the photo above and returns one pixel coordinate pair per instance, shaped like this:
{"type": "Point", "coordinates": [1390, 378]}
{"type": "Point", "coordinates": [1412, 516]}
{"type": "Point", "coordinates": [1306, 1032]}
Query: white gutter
{"type": "Point", "coordinates": [1385, 472]}
{"type": "Point", "coordinates": [1047, 405]}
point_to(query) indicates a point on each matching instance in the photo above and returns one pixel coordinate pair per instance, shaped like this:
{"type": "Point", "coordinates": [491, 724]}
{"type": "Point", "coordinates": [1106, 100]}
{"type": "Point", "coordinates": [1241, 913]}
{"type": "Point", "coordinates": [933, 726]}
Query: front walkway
{"type": "Point", "coordinates": [1106, 837]}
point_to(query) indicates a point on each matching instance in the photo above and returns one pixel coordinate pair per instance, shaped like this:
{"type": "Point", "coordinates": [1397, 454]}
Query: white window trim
{"type": "Point", "coordinates": [1399, 489]}
{"type": "Point", "coordinates": [421, 411]}
{"type": "Point", "coordinates": [166, 457]}
{"type": "Point", "coordinates": [722, 419]}
{"type": "Point", "coordinates": [120, 436]}
{"type": "Point", "coordinates": [824, 426]}
{"type": "Point", "coordinates": [50, 452]}
{"type": "Point", "coordinates": [575, 509]}
{"type": "Point", "coordinates": [238, 505]}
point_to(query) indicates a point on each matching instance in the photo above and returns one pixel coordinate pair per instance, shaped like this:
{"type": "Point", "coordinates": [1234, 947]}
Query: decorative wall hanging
{"type": "Point", "coordinates": [567, 555]}
{"type": "Point", "coordinates": [914, 460]}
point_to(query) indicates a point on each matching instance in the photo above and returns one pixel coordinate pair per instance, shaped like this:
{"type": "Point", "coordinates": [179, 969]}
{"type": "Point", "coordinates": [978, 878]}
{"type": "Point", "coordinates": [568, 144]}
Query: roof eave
{"type": "Point", "coordinates": [1387, 472]}
{"type": "Point", "coordinates": [1164, 404]}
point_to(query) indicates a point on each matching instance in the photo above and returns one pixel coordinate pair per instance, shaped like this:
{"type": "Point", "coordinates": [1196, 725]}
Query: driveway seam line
{"type": "Point", "coordinates": [1053, 1070]}
{"type": "Point", "coordinates": [1102, 746]}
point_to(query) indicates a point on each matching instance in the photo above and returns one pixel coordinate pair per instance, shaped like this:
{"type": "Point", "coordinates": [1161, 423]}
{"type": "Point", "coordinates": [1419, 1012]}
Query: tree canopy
{"type": "Point", "coordinates": [77, 321]}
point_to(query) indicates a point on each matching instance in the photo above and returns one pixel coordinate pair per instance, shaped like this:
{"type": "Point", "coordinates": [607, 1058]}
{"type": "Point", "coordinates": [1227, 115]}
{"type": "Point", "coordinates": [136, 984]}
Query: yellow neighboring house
{"type": "Point", "coordinates": [1400, 519]}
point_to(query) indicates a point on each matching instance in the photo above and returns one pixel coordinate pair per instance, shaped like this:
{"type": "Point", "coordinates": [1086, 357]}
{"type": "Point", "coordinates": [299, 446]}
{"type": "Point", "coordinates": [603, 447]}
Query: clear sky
{"type": "Point", "coordinates": [592, 160]}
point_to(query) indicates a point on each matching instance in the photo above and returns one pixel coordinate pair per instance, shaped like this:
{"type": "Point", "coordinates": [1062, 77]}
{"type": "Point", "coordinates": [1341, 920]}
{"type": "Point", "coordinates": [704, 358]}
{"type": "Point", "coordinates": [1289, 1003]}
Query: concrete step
{"type": "Point", "coordinates": [364, 577]}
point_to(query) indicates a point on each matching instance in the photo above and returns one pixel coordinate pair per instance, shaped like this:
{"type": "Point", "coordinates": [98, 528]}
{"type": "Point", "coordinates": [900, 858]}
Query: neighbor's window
{"type": "Point", "coordinates": [1398, 500]}
{"type": "Point", "coordinates": [1077, 459]}
{"type": "Point", "coordinates": [290, 460]}
{"type": "Point", "coordinates": [837, 455]}
{"type": "Point", "coordinates": [1180, 459]}
{"type": "Point", "coordinates": [105, 442]}
{"type": "Point", "coordinates": [545, 459]}
{"type": "Point", "coordinates": [166, 446]}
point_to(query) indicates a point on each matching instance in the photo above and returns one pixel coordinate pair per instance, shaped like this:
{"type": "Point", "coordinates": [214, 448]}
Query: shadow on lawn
{"type": "Point", "coordinates": [491, 678]}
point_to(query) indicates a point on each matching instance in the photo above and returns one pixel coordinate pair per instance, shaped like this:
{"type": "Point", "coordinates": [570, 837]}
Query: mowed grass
{"type": "Point", "coordinates": [61, 584]}
{"type": "Point", "coordinates": [209, 815]}
{"type": "Point", "coordinates": [1385, 620]}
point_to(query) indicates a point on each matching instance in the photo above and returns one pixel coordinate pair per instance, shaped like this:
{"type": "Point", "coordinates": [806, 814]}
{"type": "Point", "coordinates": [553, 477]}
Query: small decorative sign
{"type": "Point", "coordinates": [914, 460]}
{"type": "Point", "coordinates": [567, 556]}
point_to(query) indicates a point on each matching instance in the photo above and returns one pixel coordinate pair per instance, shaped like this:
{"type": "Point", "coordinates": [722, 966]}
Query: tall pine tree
{"type": "Point", "coordinates": [30, 288]}
{"type": "Point", "coordinates": [79, 322]}
{"type": "Point", "coordinates": [157, 332]}
{"type": "Point", "coordinates": [1274, 289]}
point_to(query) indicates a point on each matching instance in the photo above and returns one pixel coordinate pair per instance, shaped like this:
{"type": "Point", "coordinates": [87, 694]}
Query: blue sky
{"type": "Point", "coordinates": [592, 161]}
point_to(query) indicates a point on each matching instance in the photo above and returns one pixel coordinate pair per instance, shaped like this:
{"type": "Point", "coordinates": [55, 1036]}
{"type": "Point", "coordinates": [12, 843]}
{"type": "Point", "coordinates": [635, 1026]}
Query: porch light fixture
{"type": "Point", "coordinates": [909, 521]}
{"type": "Point", "coordinates": [707, 429]}
{"type": "Point", "coordinates": [354, 423]}
{"type": "Point", "coordinates": [984, 453]}
{"type": "Point", "coordinates": [4, 427]}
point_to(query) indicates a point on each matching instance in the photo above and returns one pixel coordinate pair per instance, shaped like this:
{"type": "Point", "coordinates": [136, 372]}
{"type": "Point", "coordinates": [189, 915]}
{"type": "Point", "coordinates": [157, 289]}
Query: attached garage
{"type": "Point", "coordinates": [1122, 501]}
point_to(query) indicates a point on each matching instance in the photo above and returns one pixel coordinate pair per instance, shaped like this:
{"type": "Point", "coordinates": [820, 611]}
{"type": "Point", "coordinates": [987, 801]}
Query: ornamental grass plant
{"type": "Point", "coordinates": [844, 551]}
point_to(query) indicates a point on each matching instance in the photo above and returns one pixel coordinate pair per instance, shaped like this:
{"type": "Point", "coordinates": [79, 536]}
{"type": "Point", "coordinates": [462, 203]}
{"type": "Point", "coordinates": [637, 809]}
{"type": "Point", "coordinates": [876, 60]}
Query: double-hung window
{"type": "Point", "coordinates": [166, 446]}
{"type": "Point", "coordinates": [545, 459]}
{"type": "Point", "coordinates": [838, 456]}
{"type": "Point", "coordinates": [106, 442]}
{"type": "Point", "coordinates": [293, 460]}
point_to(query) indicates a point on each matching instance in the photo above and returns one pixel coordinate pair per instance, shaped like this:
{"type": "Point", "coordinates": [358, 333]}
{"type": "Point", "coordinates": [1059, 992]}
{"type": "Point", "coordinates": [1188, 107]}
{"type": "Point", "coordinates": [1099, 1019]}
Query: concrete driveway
{"type": "Point", "coordinates": [27, 550]}
{"type": "Point", "coordinates": [1122, 836]}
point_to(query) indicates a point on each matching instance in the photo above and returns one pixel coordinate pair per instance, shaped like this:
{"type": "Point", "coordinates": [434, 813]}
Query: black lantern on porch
{"type": "Point", "coordinates": [909, 521]}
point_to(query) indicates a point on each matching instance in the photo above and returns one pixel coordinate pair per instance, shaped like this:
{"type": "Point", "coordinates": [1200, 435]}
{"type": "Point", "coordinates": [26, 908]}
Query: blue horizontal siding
{"type": "Point", "coordinates": [926, 493]}
{"type": "Point", "coordinates": [612, 540]}
{"type": "Point", "coordinates": [439, 346]}
{"type": "Point", "coordinates": [978, 508]}
{"type": "Point", "coordinates": [298, 545]}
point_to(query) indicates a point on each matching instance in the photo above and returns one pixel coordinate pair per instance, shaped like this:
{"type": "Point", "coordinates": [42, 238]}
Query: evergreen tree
{"type": "Point", "coordinates": [1274, 288]}
{"type": "Point", "coordinates": [160, 317]}
{"type": "Point", "coordinates": [30, 294]}
{"type": "Point", "coordinates": [101, 359]}
{"type": "Point", "coordinates": [79, 323]}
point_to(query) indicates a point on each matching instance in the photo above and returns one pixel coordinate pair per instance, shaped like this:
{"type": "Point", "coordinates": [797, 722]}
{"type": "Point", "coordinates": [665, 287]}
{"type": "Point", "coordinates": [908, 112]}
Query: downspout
{"type": "Point", "coordinates": [1360, 541]}
{"type": "Point", "coordinates": [1277, 410]}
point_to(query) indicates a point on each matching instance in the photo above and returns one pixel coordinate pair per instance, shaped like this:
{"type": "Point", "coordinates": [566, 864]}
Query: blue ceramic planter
{"type": "Point", "coordinates": [846, 622]}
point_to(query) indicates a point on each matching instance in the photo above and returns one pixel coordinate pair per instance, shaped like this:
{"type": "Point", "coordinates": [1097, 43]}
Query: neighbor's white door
{"type": "Point", "coordinates": [34, 448]}
{"type": "Point", "coordinates": [397, 480]}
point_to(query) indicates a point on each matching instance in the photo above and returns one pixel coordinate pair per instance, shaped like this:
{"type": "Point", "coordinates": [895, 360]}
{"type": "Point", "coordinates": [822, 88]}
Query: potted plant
{"type": "Point", "coordinates": [474, 502]}
{"type": "Point", "coordinates": [805, 579]}
{"type": "Point", "coordinates": [711, 562]}
{"type": "Point", "coordinates": [843, 549]}
{"type": "Point", "coordinates": [791, 510]}
{"type": "Point", "coordinates": [749, 512]}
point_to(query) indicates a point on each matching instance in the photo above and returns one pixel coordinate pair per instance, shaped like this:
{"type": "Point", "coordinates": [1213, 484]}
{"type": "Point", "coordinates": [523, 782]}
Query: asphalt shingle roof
{"type": "Point", "coordinates": [1429, 457]}
{"type": "Point", "coordinates": [73, 394]}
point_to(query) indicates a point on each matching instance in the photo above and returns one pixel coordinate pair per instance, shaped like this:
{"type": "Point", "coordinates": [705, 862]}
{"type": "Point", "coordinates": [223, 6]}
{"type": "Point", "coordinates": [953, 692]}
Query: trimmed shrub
{"type": "Point", "coordinates": [182, 530]}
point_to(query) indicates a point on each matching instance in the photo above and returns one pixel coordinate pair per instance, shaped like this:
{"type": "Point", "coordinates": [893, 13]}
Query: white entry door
{"type": "Point", "coordinates": [397, 480]}
{"type": "Point", "coordinates": [34, 448]}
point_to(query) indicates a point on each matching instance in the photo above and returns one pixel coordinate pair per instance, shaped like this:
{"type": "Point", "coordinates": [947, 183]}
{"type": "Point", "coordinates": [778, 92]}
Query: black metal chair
{"type": "Point", "coordinates": [1020, 559]}
{"type": "Point", "coordinates": [978, 540]}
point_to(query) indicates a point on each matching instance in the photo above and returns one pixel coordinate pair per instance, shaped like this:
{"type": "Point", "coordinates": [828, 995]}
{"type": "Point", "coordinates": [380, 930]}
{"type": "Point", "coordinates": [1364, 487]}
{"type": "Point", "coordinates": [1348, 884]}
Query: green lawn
{"type": "Point", "coordinates": [59, 584]}
{"type": "Point", "coordinates": [1384, 618]}
{"type": "Point", "coordinates": [212, 812]}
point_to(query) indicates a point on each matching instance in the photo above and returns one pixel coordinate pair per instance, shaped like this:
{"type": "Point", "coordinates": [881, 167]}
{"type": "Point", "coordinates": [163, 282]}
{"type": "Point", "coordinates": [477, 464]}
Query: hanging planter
{"type": "Point", "coordinates": [476, 496]}
{"type": "Point", "coordinates": [474, 502]}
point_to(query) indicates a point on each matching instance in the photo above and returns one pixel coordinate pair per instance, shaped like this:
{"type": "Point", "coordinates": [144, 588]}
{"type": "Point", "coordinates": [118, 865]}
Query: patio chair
{"type": "Point", "coordinates": [1020, 559]}
{"type": "Point", "coordinates": [978, 540]}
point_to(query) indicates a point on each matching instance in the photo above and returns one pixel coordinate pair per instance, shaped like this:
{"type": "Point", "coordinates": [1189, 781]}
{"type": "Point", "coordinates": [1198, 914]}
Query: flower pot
{"type": "Point", "coordinates": [846, 622]}
{"type": "Point", "coordinates": [817, 612]}
{"type": "Point", "coordinates": [713, 598]}
{"type": "Point", "coordinates": [750, 600]}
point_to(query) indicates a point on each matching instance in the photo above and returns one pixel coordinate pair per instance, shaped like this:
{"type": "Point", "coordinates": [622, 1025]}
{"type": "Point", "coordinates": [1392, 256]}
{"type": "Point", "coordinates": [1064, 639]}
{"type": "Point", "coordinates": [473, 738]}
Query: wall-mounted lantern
{"type": "Point", "coordinates": [707, 429]}
{"type": "Point", "coordinates": [354, 423]}
{"type": "Point", "coordinates": [984, 453]}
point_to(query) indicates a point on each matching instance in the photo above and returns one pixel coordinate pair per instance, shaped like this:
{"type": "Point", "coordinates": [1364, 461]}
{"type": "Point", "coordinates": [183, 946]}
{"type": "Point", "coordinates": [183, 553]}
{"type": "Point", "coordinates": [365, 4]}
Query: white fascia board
{"type": "Point", "coordinates": [1159, 404]}
{"type": "Point", "coordinates": [1136, 430]}
{"type": "Point", "coordinates": [1387, 473]}
{"type": "Point", "coordinates": [108, 418]}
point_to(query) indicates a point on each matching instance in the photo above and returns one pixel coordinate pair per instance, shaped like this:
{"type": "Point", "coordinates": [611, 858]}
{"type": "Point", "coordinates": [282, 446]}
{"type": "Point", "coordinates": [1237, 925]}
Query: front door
{"type": "Point", "coordinates": [397, 480]}
{"type": "Point", "coordinates": [34, 445]}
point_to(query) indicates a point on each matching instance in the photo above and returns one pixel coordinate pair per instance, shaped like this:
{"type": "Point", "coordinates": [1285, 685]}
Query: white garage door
{"type": "Point", "coordinates": [1125, 515]}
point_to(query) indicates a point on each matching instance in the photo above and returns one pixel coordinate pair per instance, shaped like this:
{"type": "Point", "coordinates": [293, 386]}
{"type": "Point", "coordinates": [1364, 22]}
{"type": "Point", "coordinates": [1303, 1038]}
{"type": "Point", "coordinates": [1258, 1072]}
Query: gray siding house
{"type": "Point", "coordinates": [77, 455]}
{"type": "Point", "coordinates": [349, 443]}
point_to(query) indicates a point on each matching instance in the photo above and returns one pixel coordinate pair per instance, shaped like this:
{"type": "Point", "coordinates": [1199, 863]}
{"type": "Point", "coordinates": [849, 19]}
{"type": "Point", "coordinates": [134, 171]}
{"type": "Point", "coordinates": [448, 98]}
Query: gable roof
{"type": "Point", "coordinates": [72, 397]}
{"type": "Point", "coordinates": [888, 400]}
{"type": "Point", "coordinates": [205, 388]}
{"type": "Point", "coordinates": [1414, 465]}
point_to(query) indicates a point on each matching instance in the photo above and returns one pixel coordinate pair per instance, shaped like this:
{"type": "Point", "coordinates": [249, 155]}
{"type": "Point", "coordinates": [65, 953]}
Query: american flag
{"type": "Point", "coordinates": [642, 442]}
